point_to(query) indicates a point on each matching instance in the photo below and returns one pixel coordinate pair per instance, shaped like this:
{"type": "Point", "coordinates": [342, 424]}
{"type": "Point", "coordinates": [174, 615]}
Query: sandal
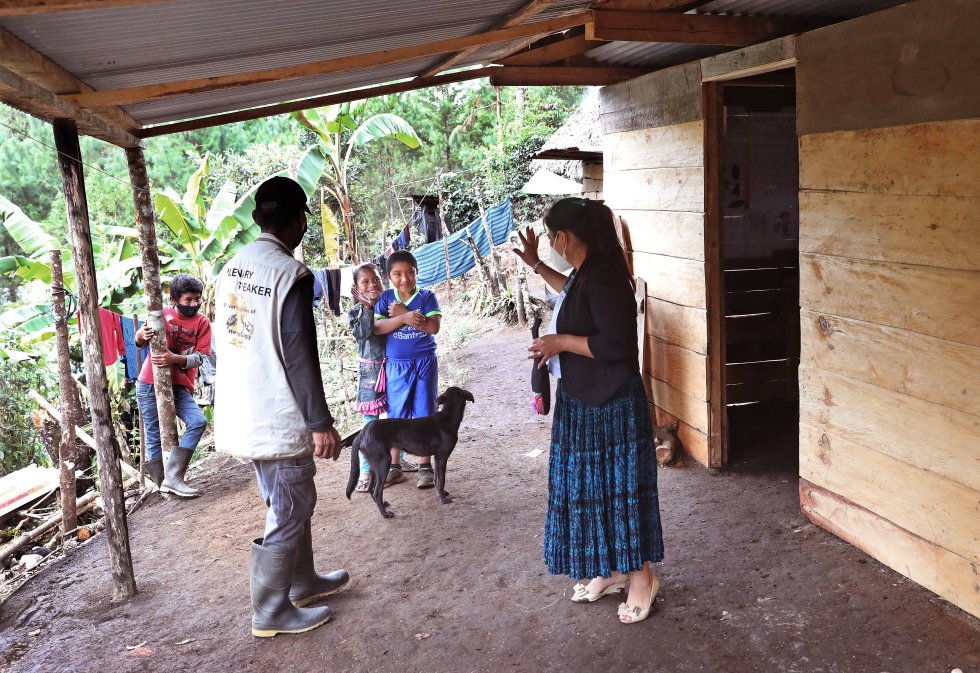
{"type": "Point", "coordinates": [629, 614]}
{"type": "Point", "coordinates": [580, 592]}
{"type": "Point", "coordinates": [363, 484]}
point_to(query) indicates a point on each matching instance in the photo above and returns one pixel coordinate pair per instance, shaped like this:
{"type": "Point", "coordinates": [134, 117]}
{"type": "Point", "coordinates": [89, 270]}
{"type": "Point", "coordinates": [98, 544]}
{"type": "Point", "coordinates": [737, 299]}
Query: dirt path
{"type": "Point", "coordinates": [749, 585]}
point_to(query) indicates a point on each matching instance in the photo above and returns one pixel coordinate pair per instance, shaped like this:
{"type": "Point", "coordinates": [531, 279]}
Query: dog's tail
{"type": "Point", "coordinates": [355, 465]}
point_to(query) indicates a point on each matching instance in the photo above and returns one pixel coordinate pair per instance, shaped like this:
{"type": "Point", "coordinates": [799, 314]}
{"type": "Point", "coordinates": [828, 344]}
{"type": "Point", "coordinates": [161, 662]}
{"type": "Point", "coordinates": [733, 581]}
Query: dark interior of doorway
{"type": "Point", "coordinates": [759, 202]}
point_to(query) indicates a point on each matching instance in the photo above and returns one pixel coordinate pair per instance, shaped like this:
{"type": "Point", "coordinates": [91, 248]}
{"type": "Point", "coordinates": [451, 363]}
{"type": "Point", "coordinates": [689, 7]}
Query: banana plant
{"type": "Point", "coordinates": [116, 255]}
{"type": "Point", "coordinates": [205, 237]}
{"type": "Point", "coordinates": [340, 133]}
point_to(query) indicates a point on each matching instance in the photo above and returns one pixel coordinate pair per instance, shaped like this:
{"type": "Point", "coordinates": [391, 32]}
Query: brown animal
{"type": "Point", "coordinates": [666, 442]}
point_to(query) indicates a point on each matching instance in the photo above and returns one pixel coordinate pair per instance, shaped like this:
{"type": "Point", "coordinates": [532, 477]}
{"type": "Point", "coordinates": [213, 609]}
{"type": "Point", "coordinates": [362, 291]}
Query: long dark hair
{"type": "Point", "coordinates": [592, 223]}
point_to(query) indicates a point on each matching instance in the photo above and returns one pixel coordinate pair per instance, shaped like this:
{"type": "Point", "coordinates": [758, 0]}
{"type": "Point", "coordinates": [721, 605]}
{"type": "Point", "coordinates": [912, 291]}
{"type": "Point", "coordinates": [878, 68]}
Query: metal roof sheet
{"type": "Point", "coordinates": [175, 40]}
{"type": "Point", "coordinates": [842, 9]}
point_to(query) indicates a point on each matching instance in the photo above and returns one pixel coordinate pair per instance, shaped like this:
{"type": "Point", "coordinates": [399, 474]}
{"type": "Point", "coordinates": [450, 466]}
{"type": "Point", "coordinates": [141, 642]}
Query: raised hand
{"type": "Point", "coordinates": [529, 241]}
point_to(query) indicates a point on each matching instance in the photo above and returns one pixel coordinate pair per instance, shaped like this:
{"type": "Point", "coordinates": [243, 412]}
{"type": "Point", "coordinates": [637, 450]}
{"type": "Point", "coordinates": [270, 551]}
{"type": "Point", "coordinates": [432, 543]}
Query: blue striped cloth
{"type": "Point", "coordinates": [603, 508]}
{"type": "Point", "coordinates": [432, 256]}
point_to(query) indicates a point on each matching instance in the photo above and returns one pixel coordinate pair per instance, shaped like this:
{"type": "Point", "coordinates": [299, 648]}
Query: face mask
{"type": "Point", "coordinates": [187, 311]}
{"type": "Point", "coordinates": [557, 257]}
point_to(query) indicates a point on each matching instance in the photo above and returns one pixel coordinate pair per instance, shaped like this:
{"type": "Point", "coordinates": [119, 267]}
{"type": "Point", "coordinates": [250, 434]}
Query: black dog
{"type": "Point", "coordinates": [434, 435]}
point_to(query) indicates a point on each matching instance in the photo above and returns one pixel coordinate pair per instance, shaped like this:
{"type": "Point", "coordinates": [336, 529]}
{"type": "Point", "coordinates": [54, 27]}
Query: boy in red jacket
{"type": "Point", "coordinates": [188, 343]}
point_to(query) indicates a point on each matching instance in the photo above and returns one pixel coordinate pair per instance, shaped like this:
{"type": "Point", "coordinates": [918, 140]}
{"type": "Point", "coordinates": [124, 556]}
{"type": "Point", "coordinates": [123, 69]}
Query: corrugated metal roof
{"type": "Point", "coordinates": [651, 54]}
{"type": "Point", "coordinates": [188, 39]}
{"type": "Point", "coordinates": [842, 9]}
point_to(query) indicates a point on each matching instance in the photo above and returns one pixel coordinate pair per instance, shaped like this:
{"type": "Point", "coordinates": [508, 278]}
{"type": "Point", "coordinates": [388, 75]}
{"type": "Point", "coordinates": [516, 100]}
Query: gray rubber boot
{"type": "Point", "coordinates": [173, 481]}
{"type": "Point", "coordinates": [307, 585]}
{"type": "Point", "coordinates": [272, 611]}
{"type": "Point", "coordinates": [154, 471]}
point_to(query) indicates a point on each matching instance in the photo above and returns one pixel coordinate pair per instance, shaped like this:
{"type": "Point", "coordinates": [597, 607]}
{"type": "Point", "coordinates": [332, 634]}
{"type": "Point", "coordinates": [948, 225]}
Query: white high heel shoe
{"type": "Point", "coordinates": [629, 614]}
{"type": "Point", "coordinates": [581, 593]}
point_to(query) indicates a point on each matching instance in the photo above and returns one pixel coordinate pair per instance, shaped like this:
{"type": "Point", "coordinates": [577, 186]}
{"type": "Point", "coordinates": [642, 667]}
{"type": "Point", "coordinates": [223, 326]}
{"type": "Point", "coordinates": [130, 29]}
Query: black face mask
{"type": "Point", "coordinates": [187, 311]}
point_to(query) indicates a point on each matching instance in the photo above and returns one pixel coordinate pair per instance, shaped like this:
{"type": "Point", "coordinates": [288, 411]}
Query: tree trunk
{"type": "Point", "coordinates": [69, 416]}
{"type": "Point", "coordinates": [110, 481]}
{"type": "Point", "coordinates": [496, 280]}
{"type": "Point", "coordinates": [519, 301]}
{"type": "Point", "coordinates": [445, 246]}
{"type": "Point", "coordinates": [163, 385]}
{"type": "Point", "coordinates": [481, 264]}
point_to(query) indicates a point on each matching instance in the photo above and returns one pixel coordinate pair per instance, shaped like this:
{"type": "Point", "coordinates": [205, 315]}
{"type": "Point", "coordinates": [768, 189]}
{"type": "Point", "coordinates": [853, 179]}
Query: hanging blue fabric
{"type": "Point", "coordinates": [132, 357]}
{"type": "Point", "coordinates": [432, 256]}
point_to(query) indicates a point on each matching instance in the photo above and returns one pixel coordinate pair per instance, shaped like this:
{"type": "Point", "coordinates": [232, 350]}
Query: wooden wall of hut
{"type": "Point", "coordinates": [653, 159]}
{"type": "Point", "coordinates": [888, 109]}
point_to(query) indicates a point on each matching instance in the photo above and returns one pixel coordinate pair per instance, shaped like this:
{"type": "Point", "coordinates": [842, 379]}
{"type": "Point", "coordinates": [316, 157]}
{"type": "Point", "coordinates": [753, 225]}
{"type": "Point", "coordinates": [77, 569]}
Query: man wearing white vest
{"type": "Point", "coordinates": [270, 406]}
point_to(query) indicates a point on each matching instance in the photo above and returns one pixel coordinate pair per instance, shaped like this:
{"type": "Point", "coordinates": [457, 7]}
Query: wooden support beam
{"type": "Point", "coordinates": [21, 59]}
{"type": "Point", "coordinates": [66, 451]}
{"type": "Point", "coordinates": [307, 103]}
{"type": "Point", "coordinates": [652, 5]}
{"type": "Point", "coordinates": [714, 278]}
{"type": "Point", "coordinates": [153, 295]}
{"type": "Point", "coordinates": [554, 51]}
{"type": "Point", "coordinates": [558, 76]}
{"type": "Point", "coordinates": [28, 97]}
{"type": "Point", "coordinates": [531, 9]}
{"type": "Point", "coordinates": [150, 92]}
{"type": "Point", "coordinates": [737, 31]}
{"type": "Point", "coordinates": [27, 7]}
{"type": "Point", "coordinates": [110, 482]}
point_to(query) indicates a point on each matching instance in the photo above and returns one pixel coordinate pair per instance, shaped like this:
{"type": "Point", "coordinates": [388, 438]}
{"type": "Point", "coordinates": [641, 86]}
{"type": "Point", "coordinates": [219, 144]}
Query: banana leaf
{"type": "Point", "coordinates": [171, 212]}
{"type": "Point", "coordinates": [193, 200]}
{"type": "Point", "coordinates": [331, 233]}
{"type": "Point", "coordinates": [28, 234]}
{"type": "Point", "coordinates": [385, 125]}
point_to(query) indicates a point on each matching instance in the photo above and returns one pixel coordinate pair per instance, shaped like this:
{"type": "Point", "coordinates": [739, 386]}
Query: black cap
{"type": "Point", "coordinates": [281, 195]}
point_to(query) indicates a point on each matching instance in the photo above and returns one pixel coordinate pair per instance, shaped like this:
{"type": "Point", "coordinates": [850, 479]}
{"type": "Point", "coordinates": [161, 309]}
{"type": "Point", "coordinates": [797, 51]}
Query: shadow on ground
{"type": "Point", "coordinates": [748, 583]}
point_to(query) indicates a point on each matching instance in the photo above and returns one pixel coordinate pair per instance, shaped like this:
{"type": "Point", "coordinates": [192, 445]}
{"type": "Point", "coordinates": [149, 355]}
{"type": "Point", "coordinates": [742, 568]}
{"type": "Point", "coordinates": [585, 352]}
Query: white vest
{"type": "Point", "coordinates": [255, 413]}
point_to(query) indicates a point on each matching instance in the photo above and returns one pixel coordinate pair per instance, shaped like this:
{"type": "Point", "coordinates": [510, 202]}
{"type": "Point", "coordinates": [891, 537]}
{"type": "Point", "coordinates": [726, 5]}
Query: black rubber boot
{"type": "Point", "coordinates": [272, 611]}
{"type": "Point", "coordinates": [154, 471]}
{"type": "Point", "coordinates": [307, 585]}
{"type": "Point", "coordinates": [173, 481]}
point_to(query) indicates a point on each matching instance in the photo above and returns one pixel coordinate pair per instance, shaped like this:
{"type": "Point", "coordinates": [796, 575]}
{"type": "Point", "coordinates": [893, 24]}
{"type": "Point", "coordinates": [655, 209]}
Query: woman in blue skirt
{"type": "Point", "coordinates": [603, 517]}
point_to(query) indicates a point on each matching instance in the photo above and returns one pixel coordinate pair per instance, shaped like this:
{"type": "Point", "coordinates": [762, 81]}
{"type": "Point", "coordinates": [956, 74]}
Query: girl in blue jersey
{"type": "Point", "coordinates": [410, 316]}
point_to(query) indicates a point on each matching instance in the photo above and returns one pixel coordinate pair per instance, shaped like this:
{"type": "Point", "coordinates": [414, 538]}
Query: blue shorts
{"type": "Point", "coordinates": [412, 386]}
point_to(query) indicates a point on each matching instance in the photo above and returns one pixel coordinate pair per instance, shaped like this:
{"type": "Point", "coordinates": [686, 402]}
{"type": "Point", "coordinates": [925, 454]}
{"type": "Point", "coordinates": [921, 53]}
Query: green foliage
{"type": "Point", "coordinates": [19, 442]}
{"type": "Point", "coordinates": [339, 134]}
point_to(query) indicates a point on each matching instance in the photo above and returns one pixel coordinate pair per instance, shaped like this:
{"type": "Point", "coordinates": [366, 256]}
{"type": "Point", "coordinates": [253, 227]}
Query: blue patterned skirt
{"type": "Point", "coordinates": [603, 509]}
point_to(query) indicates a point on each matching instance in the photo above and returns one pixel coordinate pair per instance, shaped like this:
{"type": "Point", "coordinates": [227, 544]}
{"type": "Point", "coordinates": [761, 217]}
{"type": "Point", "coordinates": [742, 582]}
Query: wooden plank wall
{"type": "Point", "coordinates": [653, 159]}
{"type": "Point", "coordinates": [889, 289]}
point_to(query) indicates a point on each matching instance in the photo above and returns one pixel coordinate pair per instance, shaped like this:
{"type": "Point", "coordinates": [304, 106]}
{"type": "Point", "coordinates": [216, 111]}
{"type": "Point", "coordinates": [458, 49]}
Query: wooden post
{"type": "Point", "coordinates": [519, 300]}
{"type": "Point", "coordinates": [495, 278]}
{"type": "Point", "coordinates": [714, 282]}
{"type": "Point", "coordinates": [445, 245]}
{"type": "Point", "coordinates": [66, 451]}
{"type": "Point", "coordinates": [162, 384]}
{"type": "Point", "coordinates": [481, 264]}
{"type": "Point", "coordinates": [107, 450]}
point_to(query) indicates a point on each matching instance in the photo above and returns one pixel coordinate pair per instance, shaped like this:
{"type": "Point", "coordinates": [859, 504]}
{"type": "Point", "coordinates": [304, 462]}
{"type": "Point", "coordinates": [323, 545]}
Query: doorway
{"type": "Point", "coordinates": [758, 293]}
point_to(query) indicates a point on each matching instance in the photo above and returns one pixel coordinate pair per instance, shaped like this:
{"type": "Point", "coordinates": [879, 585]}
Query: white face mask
{"type": "Point", "coordinates": [558, 256]}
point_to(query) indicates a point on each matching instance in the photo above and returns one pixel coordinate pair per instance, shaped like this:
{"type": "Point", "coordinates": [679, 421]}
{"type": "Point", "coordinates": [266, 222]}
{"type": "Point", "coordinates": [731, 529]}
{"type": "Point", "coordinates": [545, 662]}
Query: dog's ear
{"type": "Point", "coordinates": [441, 400]}
{"type": "Point", "coordinates": [467, 395]}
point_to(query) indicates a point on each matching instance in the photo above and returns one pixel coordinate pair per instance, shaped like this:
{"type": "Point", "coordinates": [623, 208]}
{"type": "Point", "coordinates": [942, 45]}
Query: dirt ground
{"type": "Point", "coordinates": [748, 583]}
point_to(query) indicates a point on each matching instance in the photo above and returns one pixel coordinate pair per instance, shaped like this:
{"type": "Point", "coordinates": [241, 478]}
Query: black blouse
{"type": "Point", "coordinates": [599, 304]}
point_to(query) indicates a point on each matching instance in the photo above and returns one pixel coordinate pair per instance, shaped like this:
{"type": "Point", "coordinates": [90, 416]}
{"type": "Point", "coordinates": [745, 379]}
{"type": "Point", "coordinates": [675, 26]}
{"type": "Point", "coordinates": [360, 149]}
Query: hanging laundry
{"type": "Point", "coordinates": [113, 345]}
{"type": "Point", "coordinates": [333, 290]}
{"type": "Point", "coordinates": [346, 281]}
{"type": "Point", "coordinates": [432, 257]}
{"type": "Point", "coordinates": [326, 283]}
{"type": "Point", "coordinates": [425, 218]}
{"type": "Point", "coordinates": [133, 355]}
{"type": "Point", "coordinates": [404, 239]}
